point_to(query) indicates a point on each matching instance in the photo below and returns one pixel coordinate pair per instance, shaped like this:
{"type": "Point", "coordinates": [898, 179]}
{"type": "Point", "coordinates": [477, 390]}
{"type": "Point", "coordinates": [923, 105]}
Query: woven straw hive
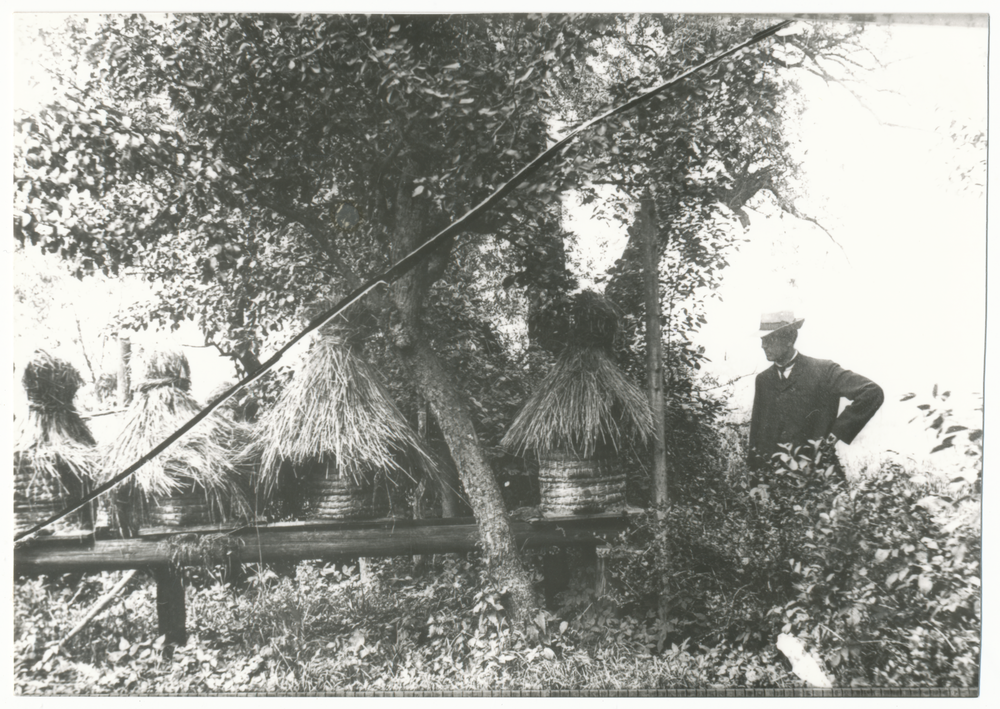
{"type": "Point", "coordinates": [337, 430]}
{"type": "Point", "coordinates": [572, 485]}
{"type": "Point", "coordinates": [327, 496]}
{"type": "Point", "coordinates": [53, 450]}
{"type": "Point", "coordinates": [193, 482]}
{"type": "Point", "coordinates": [580, 414]}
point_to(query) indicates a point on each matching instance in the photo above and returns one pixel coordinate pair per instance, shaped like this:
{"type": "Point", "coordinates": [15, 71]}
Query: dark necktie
{"type": "Point", "coordinates": [783, 371]}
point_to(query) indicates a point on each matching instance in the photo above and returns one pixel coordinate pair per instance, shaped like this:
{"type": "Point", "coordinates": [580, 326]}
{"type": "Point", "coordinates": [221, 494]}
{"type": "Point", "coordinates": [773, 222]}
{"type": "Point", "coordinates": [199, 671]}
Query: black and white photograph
{"type": "Point", "coordinates": [497, 353]}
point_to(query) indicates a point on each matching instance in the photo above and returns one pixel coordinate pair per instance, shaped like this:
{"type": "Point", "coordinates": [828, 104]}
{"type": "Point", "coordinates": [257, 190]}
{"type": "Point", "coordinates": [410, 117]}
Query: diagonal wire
{"type": "Point", "coordinates": [397, 270]}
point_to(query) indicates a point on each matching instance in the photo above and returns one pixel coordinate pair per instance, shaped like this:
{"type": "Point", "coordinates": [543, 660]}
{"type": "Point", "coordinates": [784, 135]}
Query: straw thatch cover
{"type": "Point", "coordinates": [582, 412]}
{"type": "Point", "coordinates": [586, 319]}
{"type": "Point", "coordinates": [584, 405]}
{"type": "Point", "coordinates": [54, 457]}
{"type": "Point", "coordinates": [198, 472]}
{"type": "Point", "coordinates": [106, 387]}
{"type": "Point", "coordinates": [337, 414]}
{"type": "Point", "coordinates": [239, 411]}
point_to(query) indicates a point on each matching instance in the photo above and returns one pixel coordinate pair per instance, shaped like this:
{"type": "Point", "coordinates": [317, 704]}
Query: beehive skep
{"type": "Point", "coordinates": [49, 435]}
{"type": "Point", "coordinates": [203, 460]}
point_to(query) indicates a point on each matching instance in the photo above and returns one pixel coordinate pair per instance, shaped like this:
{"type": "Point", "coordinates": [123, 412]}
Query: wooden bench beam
{"type": "Point", "coordinates": [300, 542]}
{"type": "Point", "coordinates": [165, 551]}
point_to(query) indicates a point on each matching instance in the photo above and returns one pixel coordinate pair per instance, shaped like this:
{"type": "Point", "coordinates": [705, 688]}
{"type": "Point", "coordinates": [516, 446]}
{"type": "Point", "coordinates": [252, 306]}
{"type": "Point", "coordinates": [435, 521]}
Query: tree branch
{"type": "Point", "coordinates": [318, 230]}
{"type": "Point", "coordinates": [788, 207]}
{"type": "Point", "coordinates": [83, 348]}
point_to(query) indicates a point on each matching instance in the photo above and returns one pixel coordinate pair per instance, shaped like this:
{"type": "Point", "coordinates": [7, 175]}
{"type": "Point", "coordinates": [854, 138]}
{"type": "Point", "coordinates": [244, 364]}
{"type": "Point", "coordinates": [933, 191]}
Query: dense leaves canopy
{"type": "Point", "coordinates": [250, 165]}
{"type": "Point", "coordinates": [274, 146]}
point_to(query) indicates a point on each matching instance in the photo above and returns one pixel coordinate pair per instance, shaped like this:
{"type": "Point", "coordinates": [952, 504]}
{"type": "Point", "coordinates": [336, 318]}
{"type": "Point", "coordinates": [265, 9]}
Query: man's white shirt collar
{"type": "Point", "coordinates": [786, 371]}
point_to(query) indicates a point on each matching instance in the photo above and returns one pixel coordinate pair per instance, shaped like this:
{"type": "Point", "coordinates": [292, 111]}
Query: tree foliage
{"type": "Point", "coordinates": [707, 151]}
{"type": "Point", "coordinates": [274, 146]}
{"type": "Point", "coordinates": [253, 164]}
{"type": "Point", "coordinates": [351, 136]}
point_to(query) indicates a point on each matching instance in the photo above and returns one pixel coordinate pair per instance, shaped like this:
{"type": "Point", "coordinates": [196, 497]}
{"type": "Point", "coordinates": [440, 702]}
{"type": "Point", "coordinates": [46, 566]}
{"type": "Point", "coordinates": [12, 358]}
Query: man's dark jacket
{"type": "Point", "coordinates": [804, 406]}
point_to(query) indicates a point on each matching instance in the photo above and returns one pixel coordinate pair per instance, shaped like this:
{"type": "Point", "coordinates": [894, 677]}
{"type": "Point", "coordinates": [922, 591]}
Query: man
{"type": "Point", "coordinates": [798, 399]}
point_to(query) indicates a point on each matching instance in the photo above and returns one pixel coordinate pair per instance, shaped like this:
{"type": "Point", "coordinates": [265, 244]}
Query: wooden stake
{"type": "Point", "coordinates": [420, 561]}
{"type": "Point", "coordinates": [102, 603]}
{"type": "Point", "coordinates": [555, 572]}
{"type": "Point", "coordinates": [124, 373]}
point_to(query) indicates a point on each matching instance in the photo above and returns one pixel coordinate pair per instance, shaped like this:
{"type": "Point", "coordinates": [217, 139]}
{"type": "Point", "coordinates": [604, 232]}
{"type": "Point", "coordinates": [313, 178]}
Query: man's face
{"type": "Point", "coordinates": [777, 347]}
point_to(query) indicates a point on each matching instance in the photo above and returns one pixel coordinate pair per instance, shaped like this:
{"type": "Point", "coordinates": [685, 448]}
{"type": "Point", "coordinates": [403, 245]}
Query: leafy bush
{"type": "Point", "coordinates": [330, 627]}
{"type": "Point", "coordinates": [879, 574]}
{"type": "Point", "coordinates": [967, 439]}
{"type": "Point", "coordinates": [888, 592]}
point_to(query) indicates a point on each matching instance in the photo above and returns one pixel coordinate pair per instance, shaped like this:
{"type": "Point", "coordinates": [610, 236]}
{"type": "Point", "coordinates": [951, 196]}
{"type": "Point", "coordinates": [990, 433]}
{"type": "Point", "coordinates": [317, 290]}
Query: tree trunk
{"type": "Point", "coordinates": [646, 223]}
{"type": "Point", "coordinates": [477, 477]}
{"type": "Point", "coordinates": [648, 228]}
{"type": "Point", "coordinates": [448, 487]}
{"type": "Point", "coordinates": [248, 360]}
{"type": "Point", "coordinates": [447, 483]}
{"type": "Point", "coordinates": [438, 388]}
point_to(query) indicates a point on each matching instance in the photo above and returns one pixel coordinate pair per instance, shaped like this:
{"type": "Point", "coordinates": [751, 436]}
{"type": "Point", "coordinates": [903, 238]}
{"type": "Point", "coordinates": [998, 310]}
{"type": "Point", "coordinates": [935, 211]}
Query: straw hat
{"type": "Point", "coordinates": [772, 322]}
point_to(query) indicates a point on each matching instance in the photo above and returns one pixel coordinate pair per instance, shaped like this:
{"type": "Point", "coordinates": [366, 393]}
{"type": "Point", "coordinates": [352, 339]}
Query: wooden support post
{"type": "Point", "coordinates": [601, 570]}
{"type": "Point", "coordinates": [124, 372]}
{"type": "Point", "coordinates": [171, 614]}
{"type": "Point", "coordinates": [555, 573]}
{"type": "Point", "coordinates": [595, 557]}
{"type": "Point", "coordinates": [588, 557]}
{"type": "Point", "coordinates": [234, 573]}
